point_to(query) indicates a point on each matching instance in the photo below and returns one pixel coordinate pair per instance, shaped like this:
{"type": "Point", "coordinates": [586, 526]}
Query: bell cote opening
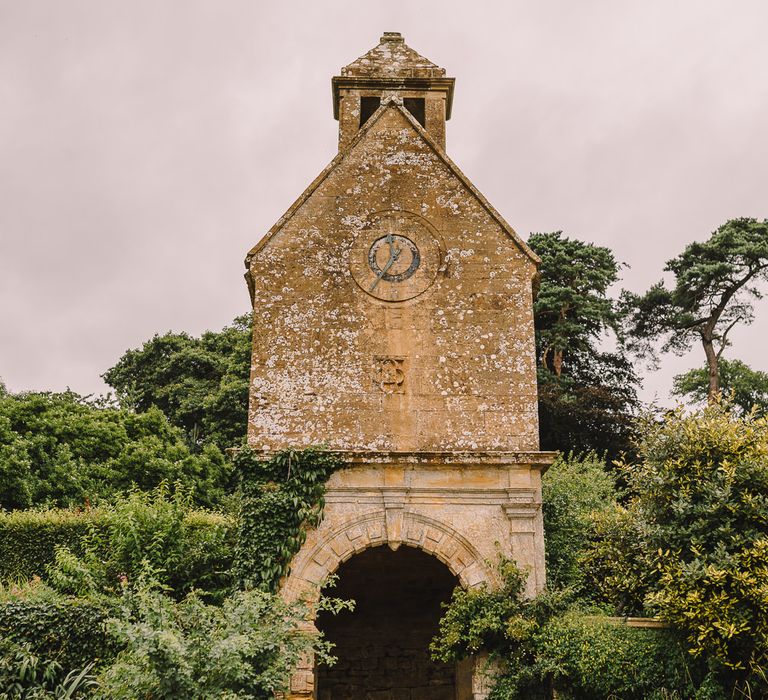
{"type": "Point", "coordinates": [392, 70]}
{"type": "Point", "coordinates": [415, 105]}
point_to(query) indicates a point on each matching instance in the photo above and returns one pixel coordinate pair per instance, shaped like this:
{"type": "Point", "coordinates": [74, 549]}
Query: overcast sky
{"type": "Point", "coordinates": [145, 146]}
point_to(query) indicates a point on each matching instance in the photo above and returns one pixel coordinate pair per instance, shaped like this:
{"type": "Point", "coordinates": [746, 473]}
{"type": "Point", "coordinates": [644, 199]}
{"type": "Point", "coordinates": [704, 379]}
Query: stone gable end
{"type": "Point", "coordinates": [451, 368]}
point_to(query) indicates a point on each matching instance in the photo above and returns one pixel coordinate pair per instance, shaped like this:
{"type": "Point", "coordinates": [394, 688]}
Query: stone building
{"type": "Point", "coordinates": [393, 323]}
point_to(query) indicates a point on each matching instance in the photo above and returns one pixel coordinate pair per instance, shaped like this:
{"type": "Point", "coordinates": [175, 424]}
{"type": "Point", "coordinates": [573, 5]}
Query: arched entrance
{"type": "Point", "coordinates": [383, 645]}
{"type": "Point", "coordinates": [340, 540]}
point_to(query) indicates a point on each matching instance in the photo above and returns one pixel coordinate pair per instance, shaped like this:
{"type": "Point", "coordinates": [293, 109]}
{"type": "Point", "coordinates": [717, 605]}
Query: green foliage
{"type": "Point", "coordinates": [244, 648]}
{"type": "Point", "coordinates": [587, 397]}
{"type": "Point", "coordinates": [64, 450]}
{"type": "Point", "coordinates": [587, 657]}
{"type": "Point", "coordinates": [186, 550]}
{"type": "Point", "coordinates": [545, 645]}
{"type": "Point", "coordinates": [697, 525]}
{"type": "Point", "coordinates": [715, 282]}
{"type": "Point", "coordinates": [573, 490]}
{"type": "Point", "coordinates": [572, 309]}
{"type": "Point", "coordinates": [200, 384]}
{"type": "Point", "coordinates": [281, 496]}
{"type": "Point", "coordinates": [744, 387]}
{"type": "Point", "coordinates": [500, 621]}
{"type": "Point", "coordinates": [590, 407]}
{"type": "Point", "coordinates": [111, 541]}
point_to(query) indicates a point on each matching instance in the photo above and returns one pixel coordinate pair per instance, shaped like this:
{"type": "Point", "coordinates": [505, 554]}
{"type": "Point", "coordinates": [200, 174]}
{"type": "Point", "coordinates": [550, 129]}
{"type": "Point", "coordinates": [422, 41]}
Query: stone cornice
{"type": "Point", "coordinates": [519, 501]}
{"type": "Point", "coordinates": [538, 459]}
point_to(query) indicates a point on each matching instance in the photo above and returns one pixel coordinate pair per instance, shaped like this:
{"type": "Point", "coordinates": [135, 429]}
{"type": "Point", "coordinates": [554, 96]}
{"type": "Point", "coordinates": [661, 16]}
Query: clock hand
{"type": "Point", "coordinates": [394, 251]}
{"type": "Point", "coordinates": [393, 256]}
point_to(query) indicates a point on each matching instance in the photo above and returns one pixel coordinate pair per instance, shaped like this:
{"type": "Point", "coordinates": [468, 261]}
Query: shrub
{"type": "Point", "coordinates": [28, 539]}
{"type": "Point", "coordinates": [701, 501]}
{"type": "Point", "coordinates": [245, 648]}
{"type": "Point", "coordinates": [614, 561]}
{"type": "Point", "coordinates": [573, 489]}
{"type": "Point", "coordinates": [591, 657]}
{"type": "Point", "coordinates": [193, 547]}
{"type": "Point", "coordinates": [550, 644]}
{"type": "Point", "coordinates": [153, 531]}
{"type": "Point", "coordinates": [68, 631]}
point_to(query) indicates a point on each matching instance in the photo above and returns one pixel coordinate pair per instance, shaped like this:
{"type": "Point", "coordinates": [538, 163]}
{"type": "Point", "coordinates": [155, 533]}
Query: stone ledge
{"type": "Point", "coordinates": [466, 459]}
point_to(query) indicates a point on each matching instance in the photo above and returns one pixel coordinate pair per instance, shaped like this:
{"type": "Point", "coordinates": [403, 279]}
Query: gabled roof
{"type": "Point", "coordinates": [441, 154]}
{"type": "Point", "coordinates": [392, 58]}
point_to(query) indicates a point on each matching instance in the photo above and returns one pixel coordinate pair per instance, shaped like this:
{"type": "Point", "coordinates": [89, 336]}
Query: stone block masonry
{"type": "Point", "coordinates": [393, 323]}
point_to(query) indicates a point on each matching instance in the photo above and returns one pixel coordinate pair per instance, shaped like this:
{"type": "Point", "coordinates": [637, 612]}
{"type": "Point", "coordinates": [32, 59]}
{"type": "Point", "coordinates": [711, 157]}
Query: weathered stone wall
{"type": "Point", "coordinates": [451, 369]}
{"type": "Point", "coordinates": [424, 382]}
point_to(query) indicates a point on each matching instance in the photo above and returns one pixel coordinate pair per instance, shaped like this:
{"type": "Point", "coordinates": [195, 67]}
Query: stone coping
{"type": "Point", "coordinates": [440, 458]}
{"type": "Point", "coordinates": [641, 622]}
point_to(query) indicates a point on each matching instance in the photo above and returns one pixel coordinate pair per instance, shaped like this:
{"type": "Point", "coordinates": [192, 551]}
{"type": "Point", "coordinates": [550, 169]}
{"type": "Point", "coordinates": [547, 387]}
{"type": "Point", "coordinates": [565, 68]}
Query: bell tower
{"type": "Point", "coordinates": [393, 324]}
{"type": "Point", "coordinates": [392, 70]}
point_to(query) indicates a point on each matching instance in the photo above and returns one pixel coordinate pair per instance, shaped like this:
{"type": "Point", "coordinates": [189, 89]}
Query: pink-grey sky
{"type": "Point", "coordinates": [145, 146]}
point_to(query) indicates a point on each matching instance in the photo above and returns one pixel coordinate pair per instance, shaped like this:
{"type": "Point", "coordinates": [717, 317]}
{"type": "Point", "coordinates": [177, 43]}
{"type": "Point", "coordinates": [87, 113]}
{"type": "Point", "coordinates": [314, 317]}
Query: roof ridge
{"type": "Point", "coordinates": [392, 57]}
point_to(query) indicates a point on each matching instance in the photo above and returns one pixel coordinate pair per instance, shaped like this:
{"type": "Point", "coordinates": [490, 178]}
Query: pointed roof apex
{"type": "Point", "coordinates": [392, 58]}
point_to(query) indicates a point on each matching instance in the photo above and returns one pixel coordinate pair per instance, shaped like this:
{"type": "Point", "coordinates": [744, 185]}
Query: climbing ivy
{"type": "Point", "coordinates": [281, 497]}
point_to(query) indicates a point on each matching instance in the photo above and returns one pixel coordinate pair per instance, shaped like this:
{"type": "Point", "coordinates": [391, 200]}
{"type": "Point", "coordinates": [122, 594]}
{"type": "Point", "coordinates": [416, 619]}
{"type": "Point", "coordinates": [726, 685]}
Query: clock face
{"type": "Point", "coordinates": [396, 256]}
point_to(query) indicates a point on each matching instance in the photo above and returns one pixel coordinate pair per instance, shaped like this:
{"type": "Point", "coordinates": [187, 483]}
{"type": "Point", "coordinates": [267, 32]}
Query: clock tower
{"type": "Point", "coordinates": [393, 324]}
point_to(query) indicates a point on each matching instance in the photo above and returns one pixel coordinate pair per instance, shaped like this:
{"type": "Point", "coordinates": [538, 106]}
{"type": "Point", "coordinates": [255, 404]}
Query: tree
{"type": "Point", "coordinates": [200, 384]}
{"type": "Point", "coordinates": [66, 450]}
{"type": "Point", "coordinates": [572, 309]}
{"type": "Point", "coordinates": [587, 397]}
{"type": "Point", "coordinates": [714, 284]}
{"type": "Point", "coordinates": [745, 387]}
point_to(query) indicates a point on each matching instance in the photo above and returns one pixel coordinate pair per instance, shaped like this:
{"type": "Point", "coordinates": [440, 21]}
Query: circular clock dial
{"type": "Point", "coordinates": [395, 257]}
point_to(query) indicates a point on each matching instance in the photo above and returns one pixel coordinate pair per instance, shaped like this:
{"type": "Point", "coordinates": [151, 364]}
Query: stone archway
{"type": "Point", "coordinates": [331, 546]}
{"type": "Point", "coordinates": [315, 563]}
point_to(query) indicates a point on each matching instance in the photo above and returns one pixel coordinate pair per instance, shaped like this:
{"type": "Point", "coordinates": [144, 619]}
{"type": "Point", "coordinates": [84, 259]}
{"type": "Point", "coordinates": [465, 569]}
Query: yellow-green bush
{"type": "Point", "coordinates": [700, 494]}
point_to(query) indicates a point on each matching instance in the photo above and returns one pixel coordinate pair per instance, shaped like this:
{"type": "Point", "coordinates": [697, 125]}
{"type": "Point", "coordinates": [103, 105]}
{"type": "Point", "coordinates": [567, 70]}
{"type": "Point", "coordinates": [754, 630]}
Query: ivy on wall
{"type": "Point", "coordinates": [282, 497]}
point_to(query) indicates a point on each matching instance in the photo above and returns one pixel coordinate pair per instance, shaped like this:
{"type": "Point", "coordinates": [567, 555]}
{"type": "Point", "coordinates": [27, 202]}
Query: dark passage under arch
{"type": "Point", "coordinates": [383, 646]}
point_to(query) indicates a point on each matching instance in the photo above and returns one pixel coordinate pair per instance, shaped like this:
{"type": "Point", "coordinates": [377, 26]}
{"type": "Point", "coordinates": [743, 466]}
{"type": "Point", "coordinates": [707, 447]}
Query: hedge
{"type": "Point", "coordinates": [592, 657]}
{"type": "Point", "coordinates": [28, 540]}
{"type": "Point", "coordinates": [70, 630]}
